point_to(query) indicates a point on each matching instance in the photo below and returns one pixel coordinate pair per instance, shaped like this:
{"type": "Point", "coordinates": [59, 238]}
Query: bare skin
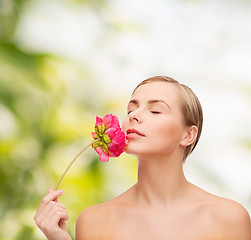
{"type": "Point", "coordinates": [201, 217]}
{"type": "Point", "coordinates": [162, 205]}
{"type": "Point", "coordinates": [51, 217]}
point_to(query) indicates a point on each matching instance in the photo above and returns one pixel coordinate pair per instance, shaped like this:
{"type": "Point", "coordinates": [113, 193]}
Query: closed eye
{"type": "Point", "coordinates": [155, 112]}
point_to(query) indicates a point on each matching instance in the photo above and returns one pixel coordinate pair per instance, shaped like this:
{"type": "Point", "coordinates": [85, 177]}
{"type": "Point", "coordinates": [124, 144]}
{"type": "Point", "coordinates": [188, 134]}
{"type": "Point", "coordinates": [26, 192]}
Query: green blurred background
{"type": "Point", "coordinates": [64, 62]}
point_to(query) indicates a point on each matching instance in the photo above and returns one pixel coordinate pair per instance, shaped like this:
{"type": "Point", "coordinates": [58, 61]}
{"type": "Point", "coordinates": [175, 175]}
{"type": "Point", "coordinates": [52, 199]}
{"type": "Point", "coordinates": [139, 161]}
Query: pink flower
{"type": "Point", "coordinates": [111, 139]}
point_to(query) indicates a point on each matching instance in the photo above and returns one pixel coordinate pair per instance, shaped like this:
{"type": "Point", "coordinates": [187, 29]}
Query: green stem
{"type": "Point", "coordinates": [73, 162]}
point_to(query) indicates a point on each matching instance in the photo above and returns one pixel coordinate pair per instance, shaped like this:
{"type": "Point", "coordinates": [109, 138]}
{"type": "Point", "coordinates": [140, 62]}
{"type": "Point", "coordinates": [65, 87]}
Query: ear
{"type": "Point", "coordinates": [189, 136]}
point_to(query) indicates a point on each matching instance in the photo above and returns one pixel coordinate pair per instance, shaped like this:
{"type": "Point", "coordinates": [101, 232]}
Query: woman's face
{"type": "Point", "coordinates": [154, 122]}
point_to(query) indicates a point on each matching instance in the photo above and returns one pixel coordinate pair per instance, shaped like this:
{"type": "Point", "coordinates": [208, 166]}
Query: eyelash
{"type": "Point", "coordinates": [153, 112]}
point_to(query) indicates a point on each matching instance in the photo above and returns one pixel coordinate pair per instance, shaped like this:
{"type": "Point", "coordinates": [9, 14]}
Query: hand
{"type": "Point", "coordinates": [51, 217]}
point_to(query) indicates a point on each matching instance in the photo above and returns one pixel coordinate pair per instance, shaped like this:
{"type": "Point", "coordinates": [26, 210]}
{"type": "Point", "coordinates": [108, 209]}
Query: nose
{"type": "Point", "coordinates": [135, 116]}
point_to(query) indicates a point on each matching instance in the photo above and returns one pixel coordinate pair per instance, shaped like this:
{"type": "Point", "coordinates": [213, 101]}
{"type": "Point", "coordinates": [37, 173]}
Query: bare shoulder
{"type": "Point", "coordinates": [93, 221]}
{"type": "Point", "coordinates": [86, 224]}
{"type": "Point", "coordinates": [234, 218]}
{"type": "Point", "coordinates": [96, 221]}
{"type": "Point", "coordinates": [228, 218]}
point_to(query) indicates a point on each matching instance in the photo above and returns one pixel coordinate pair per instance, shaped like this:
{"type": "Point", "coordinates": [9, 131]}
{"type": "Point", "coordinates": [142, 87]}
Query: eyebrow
{"type": "Point", "coordinates": [152, 101]}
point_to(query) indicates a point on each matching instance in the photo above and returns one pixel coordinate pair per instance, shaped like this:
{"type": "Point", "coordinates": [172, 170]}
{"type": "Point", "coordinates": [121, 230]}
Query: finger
{"type": "Point", "coordinates": [62, 224]}
{"type": "Point", "coordinates": [50, 209]}
{"type": "Point", "coordinates": [51, 190]}
{"type": "Point", "coordinates": [49, 197]}
{"type": "Point", "coordinates": [56, 205]}
{"type": "Point", "coordinates": [54, 218]}
{"type": "Point", "coordinates": [59, 215]}
{"type": "Point", "coordinates": [51, 222]}
{"type": "Point", "coordinates": [42, 212]}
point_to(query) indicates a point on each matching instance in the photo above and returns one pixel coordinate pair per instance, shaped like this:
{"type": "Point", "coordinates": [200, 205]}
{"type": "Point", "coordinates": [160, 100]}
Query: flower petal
{"type": "Point", "coordinates": [98, 121]}
{"type": "Point", "coordinates": [110, 121]}
{"type": "Point", "coordinates": [102, 155]}
{"type": "Point", "coordinates": [112, 138]}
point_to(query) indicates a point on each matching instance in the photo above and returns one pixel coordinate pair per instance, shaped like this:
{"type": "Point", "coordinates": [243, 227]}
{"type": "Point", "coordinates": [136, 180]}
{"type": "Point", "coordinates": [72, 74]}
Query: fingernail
{"type": "Point", "coordinates": [60, 191]}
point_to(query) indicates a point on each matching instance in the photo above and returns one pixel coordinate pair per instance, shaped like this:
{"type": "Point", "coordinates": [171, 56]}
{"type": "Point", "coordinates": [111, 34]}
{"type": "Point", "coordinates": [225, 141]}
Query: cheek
{"type": "Point", "coordinates": [125, 123]}
{"type": "Point", "coordinates": [166, 132]}
{"type": "Point", "coordinates": [165, 139]}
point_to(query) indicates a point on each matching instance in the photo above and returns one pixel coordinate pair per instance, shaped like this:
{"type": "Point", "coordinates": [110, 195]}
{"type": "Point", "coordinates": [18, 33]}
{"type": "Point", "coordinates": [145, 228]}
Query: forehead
{"type": "Point", "coordinates": [157, 90]}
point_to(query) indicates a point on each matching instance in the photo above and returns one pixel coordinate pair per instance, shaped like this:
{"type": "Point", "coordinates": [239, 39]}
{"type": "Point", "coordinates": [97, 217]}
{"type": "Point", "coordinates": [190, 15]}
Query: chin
{"type": "Point", "coordinates": [137, 152]}
{"type": "Point", "coordinates": [133, 151]}
{"type": "Point", "coordinates": [145, 151]}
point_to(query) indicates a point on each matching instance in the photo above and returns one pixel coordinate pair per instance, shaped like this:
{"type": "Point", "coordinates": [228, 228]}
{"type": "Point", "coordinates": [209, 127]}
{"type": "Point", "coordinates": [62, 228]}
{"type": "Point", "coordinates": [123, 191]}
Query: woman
{"type": "Point", "coordinates": [163, 126]}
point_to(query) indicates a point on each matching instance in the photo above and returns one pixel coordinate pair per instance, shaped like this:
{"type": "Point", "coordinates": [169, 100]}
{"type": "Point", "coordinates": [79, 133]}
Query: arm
{"type": "Point", "coordinates": [51, 217]}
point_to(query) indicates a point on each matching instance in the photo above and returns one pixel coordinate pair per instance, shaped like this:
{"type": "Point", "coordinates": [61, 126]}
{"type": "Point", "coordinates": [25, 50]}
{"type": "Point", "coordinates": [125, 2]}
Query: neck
{"type": "Point", "coordinates": [161, 181]}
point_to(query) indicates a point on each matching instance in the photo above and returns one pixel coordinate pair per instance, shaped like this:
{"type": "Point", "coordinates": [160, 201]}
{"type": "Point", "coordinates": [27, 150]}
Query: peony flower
{"type": "Point", "coordinates": [109, 140]}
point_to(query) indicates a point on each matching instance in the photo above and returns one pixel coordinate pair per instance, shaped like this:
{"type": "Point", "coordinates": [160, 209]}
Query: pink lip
{"type": "Point", "coordinates": [133, 133]}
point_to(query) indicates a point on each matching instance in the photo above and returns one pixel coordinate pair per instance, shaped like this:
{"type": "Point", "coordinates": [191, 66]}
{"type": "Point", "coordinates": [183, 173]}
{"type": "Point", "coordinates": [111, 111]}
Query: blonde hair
{"type": "Point", "coordinates": [190, 107]}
